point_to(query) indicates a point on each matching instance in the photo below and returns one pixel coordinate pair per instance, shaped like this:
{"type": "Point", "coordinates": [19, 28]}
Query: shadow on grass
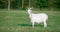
{"type": "Point", "coordinates": [30, 25]}
{"type": "Point", "coordinates": [24, 25]}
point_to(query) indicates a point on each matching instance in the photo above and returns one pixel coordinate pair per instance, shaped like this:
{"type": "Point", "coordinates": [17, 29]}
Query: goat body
{"type": "Point", "coordinates": [38, 18]}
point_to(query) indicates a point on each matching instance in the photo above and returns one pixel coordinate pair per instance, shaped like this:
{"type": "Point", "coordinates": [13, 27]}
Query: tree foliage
{"type": "Point", "coordinates": [35, 3]}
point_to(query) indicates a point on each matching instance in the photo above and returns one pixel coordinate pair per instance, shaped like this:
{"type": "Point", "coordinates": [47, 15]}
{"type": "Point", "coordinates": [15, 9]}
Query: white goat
{"type": "Point", "coordinates": [37, 18]}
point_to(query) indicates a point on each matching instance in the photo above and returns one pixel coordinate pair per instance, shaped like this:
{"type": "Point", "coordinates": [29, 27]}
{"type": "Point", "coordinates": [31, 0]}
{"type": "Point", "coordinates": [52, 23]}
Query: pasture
{"type": "Point", "coordinates": [18, 21]}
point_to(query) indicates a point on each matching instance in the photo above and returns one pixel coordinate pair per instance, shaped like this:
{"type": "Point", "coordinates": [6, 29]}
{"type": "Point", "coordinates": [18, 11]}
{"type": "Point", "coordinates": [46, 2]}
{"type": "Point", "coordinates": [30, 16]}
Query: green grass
{"type": "Point", "coordinates": [18, 21]}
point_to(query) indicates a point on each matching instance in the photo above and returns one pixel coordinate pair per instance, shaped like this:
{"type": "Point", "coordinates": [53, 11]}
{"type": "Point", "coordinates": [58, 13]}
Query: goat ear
{"type": "Point", "coordinates": [30, 8]}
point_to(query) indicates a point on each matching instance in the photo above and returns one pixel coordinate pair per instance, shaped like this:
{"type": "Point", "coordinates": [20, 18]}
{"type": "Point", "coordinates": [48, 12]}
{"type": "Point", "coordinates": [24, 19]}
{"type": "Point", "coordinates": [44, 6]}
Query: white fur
{"type": "Point", "coordinates": [37, 18]}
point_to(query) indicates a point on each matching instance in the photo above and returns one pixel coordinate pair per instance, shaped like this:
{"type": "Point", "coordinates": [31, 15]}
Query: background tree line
{"type": "Point", "coordinates": [17, 4]}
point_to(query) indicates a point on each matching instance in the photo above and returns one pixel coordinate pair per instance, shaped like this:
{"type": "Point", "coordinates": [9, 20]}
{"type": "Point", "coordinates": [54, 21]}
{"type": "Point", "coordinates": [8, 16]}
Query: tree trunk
{"type": "Point", "coordinates": [51, 4]}
{"type": "Point", "coordinates": [8, 5]}
{"type": "Point", "coordinates": [22, 3]}
{"type": "Point", "coordinates": [29, 3]}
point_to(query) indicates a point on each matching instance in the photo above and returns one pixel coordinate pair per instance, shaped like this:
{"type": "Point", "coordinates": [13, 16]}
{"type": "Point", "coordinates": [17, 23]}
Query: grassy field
{"type": "Point", "coordinates": [18, 21]}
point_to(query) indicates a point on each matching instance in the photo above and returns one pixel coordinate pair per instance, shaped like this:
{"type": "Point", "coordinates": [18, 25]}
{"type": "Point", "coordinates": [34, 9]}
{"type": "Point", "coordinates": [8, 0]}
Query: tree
{"type": "Point", "coordinates": [8, 5]}
{"type": "Point", "coordinates": [29, 3]}
{"type": "Point", "coordinates": [17, 4]}
{"type": "Point", "coordinates": [22, 3]}
{"type": "Point", "coordinates": [51, 4]}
